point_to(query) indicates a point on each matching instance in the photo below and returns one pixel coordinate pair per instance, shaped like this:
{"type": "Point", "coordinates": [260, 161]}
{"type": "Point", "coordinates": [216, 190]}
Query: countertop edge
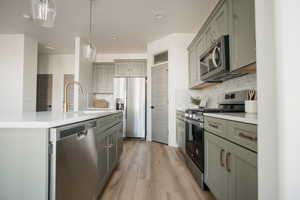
{"type": "Point", "coordinates": [232, 118]}
{"type": "Point", "coordinates": [54, 123]}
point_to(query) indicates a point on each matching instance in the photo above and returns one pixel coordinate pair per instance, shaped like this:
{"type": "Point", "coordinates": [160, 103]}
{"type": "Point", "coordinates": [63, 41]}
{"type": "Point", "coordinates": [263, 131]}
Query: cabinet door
{"type": "Point", "coordinates": [215, 172]}
{"type": "Point", "coordinates": [242, 40]}
{"type": "Point", "coordinates": [220, 22]}
{"type": "Point", "coordinates": [178, 134]}
{"type": "Point", "coordinates": [209, 36]}
{"type": "Point", "coordinates": [201, 48]}
{"type": "Point", "coordinates": [112, 149]}
{"type": "Point", "coordinates": [182, 135]}
{"type": "Point", "coordinates": [242, 178]}
{"type": "Point", "coordinates": [192, 67]}
{"type": "Point", "coordinates": [110, 74]}
{"type": "Point", "coordinates": [120, 141]}
{"type": "Point", "coordinates": [138, 69]}
{"type": "Point", "coordinates": [102, 163]}
{"type": "Point", "coordinates": [122, 70]}
{"type": "Point", "coordinates": [103, 78]}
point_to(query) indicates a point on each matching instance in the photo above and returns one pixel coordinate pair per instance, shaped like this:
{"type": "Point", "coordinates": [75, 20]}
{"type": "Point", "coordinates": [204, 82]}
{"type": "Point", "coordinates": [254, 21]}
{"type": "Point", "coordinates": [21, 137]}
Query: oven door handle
{"type": "Point", "coordinates": [193, 123]}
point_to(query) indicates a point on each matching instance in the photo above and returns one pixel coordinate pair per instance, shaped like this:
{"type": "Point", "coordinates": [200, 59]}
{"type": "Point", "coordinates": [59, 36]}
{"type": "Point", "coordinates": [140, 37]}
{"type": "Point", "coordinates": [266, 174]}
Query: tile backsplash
{"type": "Point", "coordinates": [214, 94]}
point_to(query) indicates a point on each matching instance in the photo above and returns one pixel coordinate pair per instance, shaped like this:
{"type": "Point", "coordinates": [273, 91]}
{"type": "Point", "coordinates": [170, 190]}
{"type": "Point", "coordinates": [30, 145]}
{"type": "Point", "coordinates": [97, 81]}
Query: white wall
{"type": "Point", "coordinates": [176, 45]}
{"type": "Point", "coordinates": [83, 73]}
{"type": "Point", "coordinates": [58, 66]}
{"type": "Point", "coordinates": [278, 85]}
{"type": "Point", "coordinates": [18, 65]}
{"type": "Point", "coordinates": [30, 74]}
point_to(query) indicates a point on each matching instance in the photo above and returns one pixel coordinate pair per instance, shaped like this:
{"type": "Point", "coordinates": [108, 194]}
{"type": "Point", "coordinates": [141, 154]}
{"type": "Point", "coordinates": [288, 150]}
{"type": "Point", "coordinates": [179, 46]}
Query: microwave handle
{"type": "Point", "coordinates": [214, 57]}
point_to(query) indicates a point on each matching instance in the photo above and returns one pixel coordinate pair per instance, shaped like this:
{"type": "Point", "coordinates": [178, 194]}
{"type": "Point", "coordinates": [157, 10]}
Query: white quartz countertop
{"type": "Point", "coordinates": [47, 119]}
{"type": "Point", "coordinates": [239, 117]}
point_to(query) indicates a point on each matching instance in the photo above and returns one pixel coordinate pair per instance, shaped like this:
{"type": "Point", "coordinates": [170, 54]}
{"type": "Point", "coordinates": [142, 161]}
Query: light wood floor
{"type": "Point", "coordinates": [152, 171]}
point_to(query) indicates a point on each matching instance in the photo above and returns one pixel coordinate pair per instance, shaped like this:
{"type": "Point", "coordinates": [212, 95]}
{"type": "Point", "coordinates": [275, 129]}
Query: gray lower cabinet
{"type": "Point", "coordinates": [180, 134]}
{"type": "Point", "coordinates": [215, 172]}
{"type": "Point", "coordinates": [109, 148]}
{"type": "Point", "coordinates": [230, 170]}
{"type": "Point", "coordinates": [242, 173]}
{"type": "Point", "coordinates": [103, 168]}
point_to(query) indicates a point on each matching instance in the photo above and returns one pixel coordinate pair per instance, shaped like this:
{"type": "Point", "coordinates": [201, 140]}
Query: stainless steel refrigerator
{"type": "Point", "coordinates": [132, 93]}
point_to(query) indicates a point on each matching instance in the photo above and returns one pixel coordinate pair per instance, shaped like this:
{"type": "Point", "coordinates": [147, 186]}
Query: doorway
{"type": "Point", "coordinates": [44, 92]}
{"type": "Point", "coordinates": [160, 101]}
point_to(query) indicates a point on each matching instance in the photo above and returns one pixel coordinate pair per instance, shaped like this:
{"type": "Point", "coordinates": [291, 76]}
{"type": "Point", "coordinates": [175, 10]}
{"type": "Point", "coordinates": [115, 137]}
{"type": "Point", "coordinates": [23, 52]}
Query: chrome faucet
{"type": "Point", "coordinates": [67, 85]}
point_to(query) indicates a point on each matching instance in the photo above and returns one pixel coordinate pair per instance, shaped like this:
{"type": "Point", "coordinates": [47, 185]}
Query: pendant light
{"type": "Point", "coordinates": [91, 50]}
{"type": "Point", "coordinates": [44, 12]}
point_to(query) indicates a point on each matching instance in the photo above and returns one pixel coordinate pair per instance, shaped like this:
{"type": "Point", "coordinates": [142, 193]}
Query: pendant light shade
{"type": "Point", "coordinates": [44, 12]}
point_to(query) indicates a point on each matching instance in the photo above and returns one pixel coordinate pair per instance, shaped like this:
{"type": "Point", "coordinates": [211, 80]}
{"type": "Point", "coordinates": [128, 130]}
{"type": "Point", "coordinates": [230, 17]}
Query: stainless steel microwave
{"type": "Point", "coordinates": [215, 62]}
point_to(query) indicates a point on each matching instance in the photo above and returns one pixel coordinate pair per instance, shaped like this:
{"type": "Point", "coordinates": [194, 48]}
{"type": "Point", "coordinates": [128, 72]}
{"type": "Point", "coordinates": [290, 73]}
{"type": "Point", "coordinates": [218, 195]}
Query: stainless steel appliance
{"type": "Point", "coordinates": [215, 62]}
{"type": "Point", "coordinates": [194, 118]}
{"type": "Point", "coordinates": [73, 162]}
{"type": "Point", "coordinates": [132, 92]}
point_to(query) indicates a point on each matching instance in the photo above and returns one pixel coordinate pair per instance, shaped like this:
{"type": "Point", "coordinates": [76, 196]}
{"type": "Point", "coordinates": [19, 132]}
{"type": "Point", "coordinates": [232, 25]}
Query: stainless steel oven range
{"type": "Point", "coordinates": [194, 119]}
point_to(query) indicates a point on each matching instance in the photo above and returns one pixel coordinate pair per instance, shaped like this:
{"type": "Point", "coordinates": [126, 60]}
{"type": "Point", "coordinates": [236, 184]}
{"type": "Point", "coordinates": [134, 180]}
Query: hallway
{"type": "Point", "coordinates": [152, 171]}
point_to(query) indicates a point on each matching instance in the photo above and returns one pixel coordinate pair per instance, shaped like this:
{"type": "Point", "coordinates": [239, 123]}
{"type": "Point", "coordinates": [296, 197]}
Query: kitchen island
{"type": "Point", "coordinates": [57, 156]}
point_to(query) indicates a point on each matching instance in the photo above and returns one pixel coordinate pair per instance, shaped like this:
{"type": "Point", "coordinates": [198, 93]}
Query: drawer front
{"type": "Point", "coordinates": [109, 121]}
{"type": "Point", "coordinates": [243, 134]}
{"type": "Point", "coordinates": [216, 126]}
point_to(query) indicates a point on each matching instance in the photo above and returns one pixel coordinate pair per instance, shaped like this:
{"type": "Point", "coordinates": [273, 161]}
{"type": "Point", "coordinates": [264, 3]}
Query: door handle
{"type": "Point", "coordinates": [228, 161]}
{"type": "Point", "coordinates": [152, 107]}
{"type": "Point", "coordinates": [221, 157]}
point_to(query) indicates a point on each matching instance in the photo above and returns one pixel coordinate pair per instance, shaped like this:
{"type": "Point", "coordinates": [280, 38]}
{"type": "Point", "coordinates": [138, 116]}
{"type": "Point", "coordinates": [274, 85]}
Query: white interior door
{"type": "Point", "coordinates": [159, 98]}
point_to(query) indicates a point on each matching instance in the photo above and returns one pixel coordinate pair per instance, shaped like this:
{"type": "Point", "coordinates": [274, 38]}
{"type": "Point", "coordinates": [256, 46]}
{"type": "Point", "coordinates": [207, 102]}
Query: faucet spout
{"type": "Point", "coordinates": [67, 85]}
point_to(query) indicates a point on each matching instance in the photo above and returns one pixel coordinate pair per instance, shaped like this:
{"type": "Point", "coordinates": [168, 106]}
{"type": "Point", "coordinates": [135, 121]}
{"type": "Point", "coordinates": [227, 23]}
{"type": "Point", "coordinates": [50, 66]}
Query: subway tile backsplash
{"type": "Point", "coordinates": [215, 93]}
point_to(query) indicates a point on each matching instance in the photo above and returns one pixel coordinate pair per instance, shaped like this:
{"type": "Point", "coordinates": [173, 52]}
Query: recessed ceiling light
{"type": "Point", "coordinates": [49, 47]}
{"type": "Point", "coordinates": [159, 16]}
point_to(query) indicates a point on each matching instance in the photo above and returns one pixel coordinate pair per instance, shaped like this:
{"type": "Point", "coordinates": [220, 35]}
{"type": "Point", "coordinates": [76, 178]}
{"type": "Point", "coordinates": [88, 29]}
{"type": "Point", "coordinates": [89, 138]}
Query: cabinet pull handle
{"type": "Point", "coordinates": [213, 125]}
{"type": "Point", "coordinates": [228, 161]}
{"type": "Point", "coordinates": [221, 157]}
{"type": "Point", "coordinates": [242, 135]}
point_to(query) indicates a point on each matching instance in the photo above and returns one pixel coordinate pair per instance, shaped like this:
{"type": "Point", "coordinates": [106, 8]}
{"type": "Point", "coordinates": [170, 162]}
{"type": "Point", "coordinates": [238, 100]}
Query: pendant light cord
{"type": "Point", "coordinates": [91, 21]}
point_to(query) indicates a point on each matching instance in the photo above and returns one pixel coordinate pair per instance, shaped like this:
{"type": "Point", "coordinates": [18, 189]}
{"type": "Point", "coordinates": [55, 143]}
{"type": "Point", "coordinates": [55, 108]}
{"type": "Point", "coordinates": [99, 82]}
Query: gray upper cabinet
{"type": "Point", "coordinates": [220, 22]}
{"type": "Point", "coordinates": [235, 18]}
{"type": "Point", "coordinates": [103, 78]}
{"type": "Point", "coordinates": [131, 68]}
{"type": "Point", "coordinates": [242, 33]}
{"type": "Point", "coordinates": [193, 72]}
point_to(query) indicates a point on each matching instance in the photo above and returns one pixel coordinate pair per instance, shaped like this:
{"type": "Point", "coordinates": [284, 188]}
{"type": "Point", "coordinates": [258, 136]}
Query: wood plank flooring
{"type": "Point", "coordinates": [152, 171]}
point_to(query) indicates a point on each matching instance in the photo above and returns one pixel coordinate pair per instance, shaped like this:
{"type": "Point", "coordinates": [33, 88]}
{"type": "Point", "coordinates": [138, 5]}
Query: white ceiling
{"type": "Point", "coordinates": [133, 22]}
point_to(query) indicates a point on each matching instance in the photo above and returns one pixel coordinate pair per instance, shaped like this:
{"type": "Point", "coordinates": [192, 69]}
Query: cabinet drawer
{"type": "Point", "coordinates": [216, 126]}
{"type": "Point", "coordinates": [243, 134]}
{"type": "Point", "coordinates": [109, 121]}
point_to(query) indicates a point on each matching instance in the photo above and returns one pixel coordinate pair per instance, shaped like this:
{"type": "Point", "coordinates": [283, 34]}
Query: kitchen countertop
{"type": "Point", "coordinates": [239, 117]}
{"type": "Point", "coordinates": [47, 119]}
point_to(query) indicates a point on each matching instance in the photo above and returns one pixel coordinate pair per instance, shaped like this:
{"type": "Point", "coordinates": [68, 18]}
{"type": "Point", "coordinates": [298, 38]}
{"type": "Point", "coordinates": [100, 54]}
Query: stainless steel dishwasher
{"type": "Point", "coordinates": [73, 162]}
